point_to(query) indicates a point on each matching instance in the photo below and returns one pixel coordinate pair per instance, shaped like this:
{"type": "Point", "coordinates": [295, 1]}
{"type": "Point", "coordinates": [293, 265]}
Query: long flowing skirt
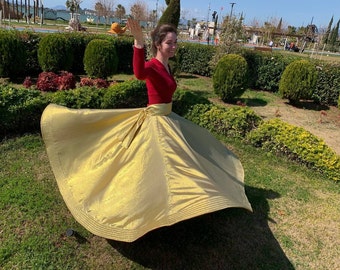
{"type": "Point", "coordinates": [125, 172]}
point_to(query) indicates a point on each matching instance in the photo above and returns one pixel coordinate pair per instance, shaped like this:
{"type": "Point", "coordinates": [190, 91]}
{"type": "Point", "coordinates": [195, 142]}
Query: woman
{"type": "Point", "coordinates": [125, 172]}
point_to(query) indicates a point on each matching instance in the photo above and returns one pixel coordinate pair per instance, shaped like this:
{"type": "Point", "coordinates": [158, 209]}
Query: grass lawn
{"type": "Point", "coordinates": [295, 223]}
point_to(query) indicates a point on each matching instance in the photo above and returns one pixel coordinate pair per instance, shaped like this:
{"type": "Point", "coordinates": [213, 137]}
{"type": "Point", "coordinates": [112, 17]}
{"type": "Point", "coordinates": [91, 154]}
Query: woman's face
{"type": "Point", "coordinates": [168, 46]}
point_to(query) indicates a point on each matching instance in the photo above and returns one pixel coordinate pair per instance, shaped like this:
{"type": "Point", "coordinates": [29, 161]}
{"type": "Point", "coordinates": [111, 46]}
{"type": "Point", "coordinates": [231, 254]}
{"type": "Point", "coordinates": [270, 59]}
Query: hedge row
{"type": "Point", "coordinates": [298, 144]}
{"type": "Point", "coordinates": [21, 49]}
{"type": "Point", "coordinates": [19, 55]}
{"type": "Point", "coordinates": [273, 135]}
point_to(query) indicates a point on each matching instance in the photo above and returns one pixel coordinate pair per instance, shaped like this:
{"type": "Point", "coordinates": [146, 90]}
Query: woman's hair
{"type": "Point", "coordinates": [158, 35]}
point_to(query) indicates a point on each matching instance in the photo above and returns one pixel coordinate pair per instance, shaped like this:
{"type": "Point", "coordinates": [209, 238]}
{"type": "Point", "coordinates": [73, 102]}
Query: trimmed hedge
{"type": "Point", "coordinates": [232, 121]}
{"type": "Point", "coordinates": [194, 58]}
{"type": "Point", "coordinates": [55, 53]}
{"type": "Point", "coordinates": [13, 55]}
{"type": "Point", "coordinates": [230, 77]}
{"type": "Point", "coordinates": [298, 144]}
{"type": "Point", "coordinates": [298, 81]}
{"type": "Point", "coordinates": [100, 59]}
{"type": "Point", "coordinates": [327, 88]}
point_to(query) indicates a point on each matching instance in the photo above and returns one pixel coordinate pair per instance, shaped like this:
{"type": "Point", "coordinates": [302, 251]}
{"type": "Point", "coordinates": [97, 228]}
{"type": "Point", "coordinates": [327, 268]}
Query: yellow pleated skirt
{"type": "Point", "coordinates": [125, 172]}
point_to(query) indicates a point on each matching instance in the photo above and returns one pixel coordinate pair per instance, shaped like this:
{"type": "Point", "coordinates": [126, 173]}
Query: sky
{"type": "Point", "coordinates": [293, 12]}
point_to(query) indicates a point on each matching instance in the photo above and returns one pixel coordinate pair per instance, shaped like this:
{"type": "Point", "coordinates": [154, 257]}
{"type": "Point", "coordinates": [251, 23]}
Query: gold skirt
{"type": "Point", "coordinates": [125, 172]}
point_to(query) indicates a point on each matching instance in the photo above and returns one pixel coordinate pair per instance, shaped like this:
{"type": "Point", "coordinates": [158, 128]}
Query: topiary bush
{"type": "Point", "coordinates": [12, 54]}
{"type": "Point", "coordinates": [298, 81]}
{"type": "Point", "coordinates": [55, 53]}
{"type": "Point", "coordinates": [172, 13]}
{"type": "Point", "coordinates": [233, 121]}
{"type": "Point", "coordinates": [298, 144]}
{"type": "Point", "coordinates": [100, 59]}
{"type": "Point", "coordinates": [230, 78]}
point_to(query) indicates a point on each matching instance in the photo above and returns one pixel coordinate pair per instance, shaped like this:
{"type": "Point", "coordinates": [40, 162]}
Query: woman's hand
{"type": "Point", "coordinates": [136, 31]}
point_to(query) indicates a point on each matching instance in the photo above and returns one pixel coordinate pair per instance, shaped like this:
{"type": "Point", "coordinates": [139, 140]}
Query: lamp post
{"type": "Point", "coordinates": [231, 10]}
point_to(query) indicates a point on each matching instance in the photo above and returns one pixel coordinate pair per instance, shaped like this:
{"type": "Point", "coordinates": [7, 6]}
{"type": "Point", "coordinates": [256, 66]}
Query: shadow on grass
{"type": "Point", "coordinates": [308, 105]}
{"type": "Point", "coordinates": [227, 239]}
{"type": "Point", "coordinates": [254, 102]}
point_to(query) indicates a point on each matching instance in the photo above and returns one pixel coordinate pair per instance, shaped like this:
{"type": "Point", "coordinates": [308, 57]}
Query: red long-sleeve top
{"type": "Point", "coordinates": [160, 84]}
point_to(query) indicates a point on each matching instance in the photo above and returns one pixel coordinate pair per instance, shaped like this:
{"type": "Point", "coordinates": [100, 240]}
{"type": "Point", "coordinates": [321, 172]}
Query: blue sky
{"type": "Point", "coordinates": [293, 12]}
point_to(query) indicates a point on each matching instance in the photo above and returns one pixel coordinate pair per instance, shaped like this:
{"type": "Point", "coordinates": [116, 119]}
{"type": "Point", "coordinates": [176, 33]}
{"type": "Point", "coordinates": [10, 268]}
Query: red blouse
{"type": "Point", "coordinates": [160, 84]}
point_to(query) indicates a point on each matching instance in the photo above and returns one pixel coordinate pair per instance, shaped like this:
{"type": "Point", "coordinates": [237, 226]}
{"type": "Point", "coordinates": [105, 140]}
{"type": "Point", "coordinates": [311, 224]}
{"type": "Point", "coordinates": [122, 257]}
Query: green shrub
{"type": "Point", "coordinates": [230, 78]}
{"type": "Point", "coordinates": [327, 88]}
{"type": "Point", "coordinates": [30, 41]}
{"type": "Point", "coordinates": [297, 144]}
{"type": "Point", "coordinates": [194, 58]}
{"type": "Point", "coordinates": [270, 71]}
{"type": "Point", "coordinates": [82, 97]}
{"type": "Point", "coordinates": [171, 14]}
{"type": "Point", "coordinates": [265, 69]}
{"type": "Point", "coordinates": [232, 121]}
{"type": "Point", "coordinates": [100, 59]}
{"type": "Point", "coordinates": [125, 53]}
{"type": "Point", "coordinates": [184, 100]}
{"type": "Point", "coordinates": [78, 42]}
{"type": "Point", "coordinates": [55, 53]}
{"type": "Point", "coordinates": [20, 110]}
{"type": "Point", "coordinates": [128, 94]}
{"type": "Point", "coordinates": [298, 81]}
{"type": "Point", "coordinates": [12, 54]}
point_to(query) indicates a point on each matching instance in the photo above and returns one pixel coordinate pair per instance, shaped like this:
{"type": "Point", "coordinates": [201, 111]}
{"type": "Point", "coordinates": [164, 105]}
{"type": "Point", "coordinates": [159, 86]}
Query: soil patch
{"type": "Point", "coordinates": [322, 121]}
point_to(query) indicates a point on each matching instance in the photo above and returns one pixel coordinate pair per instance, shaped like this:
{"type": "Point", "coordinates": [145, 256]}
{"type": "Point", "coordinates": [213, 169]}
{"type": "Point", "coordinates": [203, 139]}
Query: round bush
{"type": "Point", "coordinates": [230, 78]}
{"type": "Point", "coordinates": [100, 59]}
{"type": "Point", "coordinates": [55, 53]}
{"type": "Point", "coordinates": [298, 81]}
{"type": "Point", "coordinates": [12, 55]}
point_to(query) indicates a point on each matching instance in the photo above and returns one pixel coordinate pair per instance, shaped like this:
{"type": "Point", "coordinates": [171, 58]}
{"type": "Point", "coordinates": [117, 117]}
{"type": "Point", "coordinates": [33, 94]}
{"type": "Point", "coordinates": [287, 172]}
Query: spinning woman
{"type": "Point", "coordinates": [125, 172]}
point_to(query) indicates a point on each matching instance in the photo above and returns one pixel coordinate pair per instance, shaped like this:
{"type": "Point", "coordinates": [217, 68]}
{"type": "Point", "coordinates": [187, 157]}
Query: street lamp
{"type": "Point", "coordinates": [231, 10]}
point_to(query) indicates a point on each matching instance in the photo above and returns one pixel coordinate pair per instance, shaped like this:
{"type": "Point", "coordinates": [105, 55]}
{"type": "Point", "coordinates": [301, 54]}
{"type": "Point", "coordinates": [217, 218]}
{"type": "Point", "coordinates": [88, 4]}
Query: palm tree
{"type": "Point", "coordinates": [73, 6]}
{"type": "Point", "coordinates": [120, 12]}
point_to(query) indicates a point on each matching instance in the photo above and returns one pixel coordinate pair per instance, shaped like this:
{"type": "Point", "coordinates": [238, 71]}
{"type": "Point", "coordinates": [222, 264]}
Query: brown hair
{"type": "Point", "coordinates": [158, 35]}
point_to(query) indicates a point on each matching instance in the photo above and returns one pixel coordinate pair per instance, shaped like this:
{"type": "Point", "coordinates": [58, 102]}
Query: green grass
{"type": "Point", "coordinates": [34, 221]}
{"type": "Point", "coordinates": [295, 223]}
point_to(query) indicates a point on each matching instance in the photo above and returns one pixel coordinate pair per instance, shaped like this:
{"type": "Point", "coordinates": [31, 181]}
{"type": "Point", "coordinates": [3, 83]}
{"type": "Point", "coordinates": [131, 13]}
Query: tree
{"type": "Point", "coordinates": [172, 13]}
{"type": "Point", "coordinates": [104, 8]}
{"type": "Point", "coordinates": [73, 5]}
{"type": "Point", "coordinates": [328, 31]}
{"type": "Point", "coordinates": [120, 12]}
{"type": "Point", "coordinates": [139, 10]}
{"type": "Point", "coordinates": [334, 37]}
{"type": "Point", "coordinates": [231, 32]}
{"type": "Point", "coordinates": [279, 26]}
